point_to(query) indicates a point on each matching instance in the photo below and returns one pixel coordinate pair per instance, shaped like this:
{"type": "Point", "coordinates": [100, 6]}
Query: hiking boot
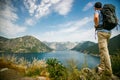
{"type": "Point", "coordinates": [99, 70]}
{"type": "Point", "coordinates": [108, 73]}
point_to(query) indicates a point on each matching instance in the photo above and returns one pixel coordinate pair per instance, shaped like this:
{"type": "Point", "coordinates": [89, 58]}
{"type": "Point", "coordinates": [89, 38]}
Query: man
{"type": "Point", "coordinates": [103, 37]}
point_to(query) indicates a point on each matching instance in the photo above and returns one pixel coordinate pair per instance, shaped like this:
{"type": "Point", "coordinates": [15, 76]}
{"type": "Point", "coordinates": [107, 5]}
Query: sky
{"type": "Point", "coordinates": [51, 20]}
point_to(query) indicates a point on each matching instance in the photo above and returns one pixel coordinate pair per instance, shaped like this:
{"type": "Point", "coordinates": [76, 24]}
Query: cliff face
{"type": "Point", "coordinates": [26, 44]}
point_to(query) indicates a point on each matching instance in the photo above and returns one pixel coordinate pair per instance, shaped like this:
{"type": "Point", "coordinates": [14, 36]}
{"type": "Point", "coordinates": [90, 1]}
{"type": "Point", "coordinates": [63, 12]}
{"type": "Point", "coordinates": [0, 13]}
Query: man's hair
{"type": "Point", "coordinates": [98, 5]}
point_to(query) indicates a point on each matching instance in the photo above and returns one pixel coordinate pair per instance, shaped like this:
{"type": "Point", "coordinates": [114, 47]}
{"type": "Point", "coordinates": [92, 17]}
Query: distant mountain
{"type": "Point", "coordinates": [83, 46]}
{"type": "Point", "coordinates": [26, 44]}
{"type": "Point", "coordinates": [114, 46]}
{"type": "Point", "coordinates": [60, 46]}
{"type": "Point", "coordinates": [3, 38]}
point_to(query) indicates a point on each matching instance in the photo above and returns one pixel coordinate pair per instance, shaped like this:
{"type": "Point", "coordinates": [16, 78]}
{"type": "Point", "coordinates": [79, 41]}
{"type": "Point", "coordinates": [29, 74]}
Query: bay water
{"type": "Point", "coordinates": [65, 57]}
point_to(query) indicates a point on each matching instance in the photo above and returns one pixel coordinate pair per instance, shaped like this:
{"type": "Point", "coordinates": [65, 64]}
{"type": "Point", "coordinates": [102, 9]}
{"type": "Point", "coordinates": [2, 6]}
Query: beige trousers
{"type": "Point", "coordinates": [105, 62]}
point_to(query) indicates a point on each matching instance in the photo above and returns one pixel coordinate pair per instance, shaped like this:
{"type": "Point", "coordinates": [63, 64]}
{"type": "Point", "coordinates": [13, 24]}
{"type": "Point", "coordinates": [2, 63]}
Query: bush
{"type": "Point", "coordinates": [56, 70]}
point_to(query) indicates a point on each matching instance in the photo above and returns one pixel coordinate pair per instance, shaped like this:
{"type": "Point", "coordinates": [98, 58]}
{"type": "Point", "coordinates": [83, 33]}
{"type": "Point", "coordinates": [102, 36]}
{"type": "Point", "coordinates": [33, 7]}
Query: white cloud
{"type": "Point", "coordinates": [63, 7]}
{"type": "Point", "coordinates": [55, 1]}
{"type": "Point", "coordinates": [72, 31]}
{"type": "Point", "coordinates": [10, 29]}
{"type": "Point", "coordinates": [31, 6]}
{"type": "Point", "coordinates": [45, 7]}
{"type": "Point", "coordinates": [115, 32]}
{"type": "Point", "coordinates": [30, 21]}
{"type": "Point", "coordinates": [88, 6]}
{"type": "Point", "coordinates": [9, 12]}
{"type": "Point", "coordinates": [8, 18]}
{"type": "Point", "coordinates": [75, 25]}
{"type": "Point", "coordinates": [42, 10]}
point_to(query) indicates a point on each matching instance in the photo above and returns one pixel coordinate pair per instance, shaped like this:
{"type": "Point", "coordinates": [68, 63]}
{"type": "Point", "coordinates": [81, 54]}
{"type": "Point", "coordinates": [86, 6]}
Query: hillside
{"type": "Point", "coordinates": [26, 44]}
{"type": "Point", "coordinates": [114, 46]}
{"type": "Point", "coordinates": [83, 46]}
{"type": "Point", "coordinates": [61, 46]}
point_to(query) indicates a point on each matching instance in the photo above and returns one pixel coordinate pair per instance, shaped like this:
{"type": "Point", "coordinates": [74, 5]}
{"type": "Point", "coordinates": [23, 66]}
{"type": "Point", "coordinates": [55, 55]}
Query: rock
{"type": "Point", "coordinates": [30, 78]}
{"type": "Point", "coordinates": [41, 78]}
{"type": "Point", "coordinates": [27, 78]}
{"type": "Point", "coordinates": [3, 69]}
{"type": "Point", "coordinates": [9, 74]}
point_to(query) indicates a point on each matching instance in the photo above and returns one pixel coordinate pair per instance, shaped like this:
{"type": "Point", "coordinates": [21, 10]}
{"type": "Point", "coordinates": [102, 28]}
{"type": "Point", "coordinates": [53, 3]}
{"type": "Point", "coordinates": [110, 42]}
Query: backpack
{"type": "Point", "coordinates": [109, 17]}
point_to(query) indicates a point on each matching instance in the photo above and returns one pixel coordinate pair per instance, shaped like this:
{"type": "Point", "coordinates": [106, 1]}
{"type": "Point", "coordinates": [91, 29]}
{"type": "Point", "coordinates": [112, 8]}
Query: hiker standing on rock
{"type": "Point", "coordinates": [104, 32]}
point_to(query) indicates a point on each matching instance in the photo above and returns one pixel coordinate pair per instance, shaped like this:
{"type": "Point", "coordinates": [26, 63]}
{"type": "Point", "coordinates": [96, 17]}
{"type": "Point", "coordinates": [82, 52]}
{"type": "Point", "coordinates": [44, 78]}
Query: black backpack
{"type": "Point", "coordinates": [109, 17]}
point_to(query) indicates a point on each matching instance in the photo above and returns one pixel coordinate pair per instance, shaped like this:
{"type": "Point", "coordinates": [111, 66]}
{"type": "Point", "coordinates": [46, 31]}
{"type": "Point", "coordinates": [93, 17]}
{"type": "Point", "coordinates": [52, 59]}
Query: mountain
{"type": "Point", "coordinates": [3, 38]}
{"type": "Point", "coordinates": [61, 46]}
{"type": "Point", "coordinates": [113, 46]}
{"type": "Point", "coordinates": [83, 46]}
{"type": "Point", "coordinates": [25, 44]}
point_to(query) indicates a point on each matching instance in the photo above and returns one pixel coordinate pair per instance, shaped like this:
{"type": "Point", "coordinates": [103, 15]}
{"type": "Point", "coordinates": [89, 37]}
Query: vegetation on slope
{"type": "Point", "coordinates": [83, 46]}
{"type": "Point", "coordinates": [113, 46]}
{"type": "Point", "coordinates": [26, 44]}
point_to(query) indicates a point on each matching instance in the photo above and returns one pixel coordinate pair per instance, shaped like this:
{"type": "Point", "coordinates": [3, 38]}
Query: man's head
{"type": "Point", "coordinates": [98, 5]}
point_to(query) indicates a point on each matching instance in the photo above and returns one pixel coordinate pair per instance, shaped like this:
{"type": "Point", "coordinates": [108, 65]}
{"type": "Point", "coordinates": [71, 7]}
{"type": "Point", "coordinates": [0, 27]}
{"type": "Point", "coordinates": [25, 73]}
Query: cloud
{"type": "Point", "coordinates": [63, 7]}
{"type": "Point", "coordinates": [88, 6]}
{"type": "Point", "coordinates": [41, 8]}
{"type": "Point", "coordinates": [10, 29]}
{"type": "Point", "coordinates": [30, 5]}
{"type": "Point", "coordinates": [72, 31]}
{"type": "Point", "coordinates": [115, 32]}
{"type": "Point", "coordinates": [8, 18]}
{"type": "Point", "coordinates": [7, 11]}
{"type": "Point", "coordinates": [30, 21]}
{"type": "Point", "coordinates": [74, 25]}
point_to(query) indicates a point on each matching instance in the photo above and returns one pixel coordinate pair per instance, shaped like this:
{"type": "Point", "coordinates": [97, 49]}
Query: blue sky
{"type": "Point", "coordinates": [51, 20]}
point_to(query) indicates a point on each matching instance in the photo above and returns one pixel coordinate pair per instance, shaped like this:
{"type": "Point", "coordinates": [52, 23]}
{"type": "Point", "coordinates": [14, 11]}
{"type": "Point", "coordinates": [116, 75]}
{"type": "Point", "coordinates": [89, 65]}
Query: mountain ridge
{"type": "Point", "coordinates": [25, 44]}
{"type": "Point", "coordinates": [61, 46]}
{"type": "Point", "coordinates": [113, 46]}
{"type": "Point", "coordinates": [83, 46]}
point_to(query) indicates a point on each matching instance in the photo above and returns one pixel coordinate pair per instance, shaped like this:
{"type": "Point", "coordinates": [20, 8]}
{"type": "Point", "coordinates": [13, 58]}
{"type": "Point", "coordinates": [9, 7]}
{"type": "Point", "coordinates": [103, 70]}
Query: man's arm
{"type": "Point", "coordinates": [96, 20]}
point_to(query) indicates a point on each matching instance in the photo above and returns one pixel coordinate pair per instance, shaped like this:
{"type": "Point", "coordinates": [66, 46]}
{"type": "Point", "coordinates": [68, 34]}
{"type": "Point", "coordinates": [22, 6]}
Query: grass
{"type": "Point", "coordinates": [37, 68]}
{"type": "Point", "coordinates": [12, 63]}
{"type": "Point", "coordinates": [54, 69]}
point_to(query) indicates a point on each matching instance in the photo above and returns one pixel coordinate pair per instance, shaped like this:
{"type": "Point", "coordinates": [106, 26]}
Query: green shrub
{"type": "Point", "coordinates": [56, 70]}
{"type": "Point", "coordinates": [35, 72]}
